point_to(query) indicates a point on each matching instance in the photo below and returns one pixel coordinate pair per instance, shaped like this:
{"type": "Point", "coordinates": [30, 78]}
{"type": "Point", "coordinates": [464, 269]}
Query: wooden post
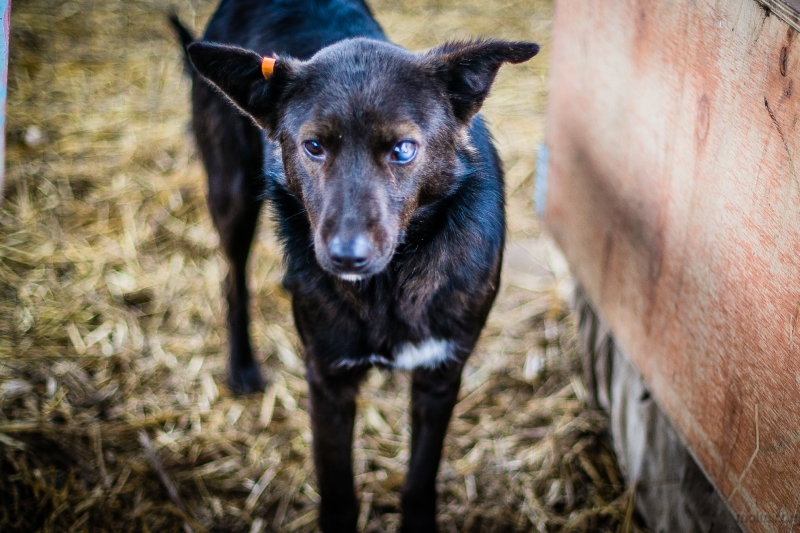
{"type": "Point", "coordinates": [673, 130]}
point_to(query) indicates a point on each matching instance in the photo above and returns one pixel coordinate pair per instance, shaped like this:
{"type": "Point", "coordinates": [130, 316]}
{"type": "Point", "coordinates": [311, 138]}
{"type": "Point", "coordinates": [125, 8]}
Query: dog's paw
{"type": "Point", "coordinates": [246, 380]}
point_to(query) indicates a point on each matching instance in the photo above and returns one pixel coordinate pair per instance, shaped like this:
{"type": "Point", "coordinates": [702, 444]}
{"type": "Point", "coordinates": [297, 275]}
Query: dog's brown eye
{"type": "Point", "coordinates": [313, 148]}
{"type": "Point", "coordinates": [404, 151]}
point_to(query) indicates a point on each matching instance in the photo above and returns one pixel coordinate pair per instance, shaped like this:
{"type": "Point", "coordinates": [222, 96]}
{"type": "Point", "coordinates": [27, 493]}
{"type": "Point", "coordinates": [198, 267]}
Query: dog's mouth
{"type": "Point", "coordinates": [352, 278]}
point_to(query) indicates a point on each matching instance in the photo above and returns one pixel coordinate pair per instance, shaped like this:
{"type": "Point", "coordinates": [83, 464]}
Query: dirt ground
{"type": "Point", "coordinates": [114, 415]}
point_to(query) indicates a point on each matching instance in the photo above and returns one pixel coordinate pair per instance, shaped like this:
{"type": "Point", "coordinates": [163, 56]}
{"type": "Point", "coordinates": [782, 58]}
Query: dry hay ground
{"type": "Point", "coordinates": [114, 415]}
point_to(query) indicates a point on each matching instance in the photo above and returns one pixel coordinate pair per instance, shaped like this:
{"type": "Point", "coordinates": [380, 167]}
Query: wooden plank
{"type": "Point", "coordinates": [786, 10]}
{"type": "Point", "coordinates": [674, 137]}
{"type": "Point", "coordinates": [672, 493]}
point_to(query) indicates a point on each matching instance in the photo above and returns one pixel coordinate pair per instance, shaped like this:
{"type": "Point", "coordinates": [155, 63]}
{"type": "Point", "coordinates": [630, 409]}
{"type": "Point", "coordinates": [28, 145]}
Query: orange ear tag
{"type": "Point", "coordinates": [267, 66]}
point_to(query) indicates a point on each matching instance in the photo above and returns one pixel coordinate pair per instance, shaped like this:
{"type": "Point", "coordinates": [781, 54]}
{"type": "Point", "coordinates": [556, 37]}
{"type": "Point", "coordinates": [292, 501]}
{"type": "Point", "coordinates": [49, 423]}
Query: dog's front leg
{"type": "Point", "coordinates": [333, 411]}
{"type": "Point", "coordinates": [433, 396]}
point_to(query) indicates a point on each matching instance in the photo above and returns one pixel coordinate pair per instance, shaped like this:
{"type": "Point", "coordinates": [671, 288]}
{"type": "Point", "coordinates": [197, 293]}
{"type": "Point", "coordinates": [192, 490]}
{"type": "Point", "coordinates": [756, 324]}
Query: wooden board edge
{"type": "Point", "coordinates": [784, 11]}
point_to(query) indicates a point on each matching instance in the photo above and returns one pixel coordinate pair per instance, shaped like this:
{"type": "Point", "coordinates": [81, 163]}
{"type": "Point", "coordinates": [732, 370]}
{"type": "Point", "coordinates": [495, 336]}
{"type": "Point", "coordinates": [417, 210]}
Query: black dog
{"type": "Point", "coordinates": [389, 195]}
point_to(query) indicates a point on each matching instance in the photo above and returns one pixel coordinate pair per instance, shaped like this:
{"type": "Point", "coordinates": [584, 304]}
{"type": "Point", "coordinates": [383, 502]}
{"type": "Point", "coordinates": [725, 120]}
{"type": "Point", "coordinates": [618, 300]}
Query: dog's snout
{"type": "Point", "coordinates": [350, 254]}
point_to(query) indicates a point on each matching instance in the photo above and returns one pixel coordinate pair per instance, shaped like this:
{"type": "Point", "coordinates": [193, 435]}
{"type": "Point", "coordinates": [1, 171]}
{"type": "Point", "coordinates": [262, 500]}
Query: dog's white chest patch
{"type": "Point", "coordinates": [429, 354]}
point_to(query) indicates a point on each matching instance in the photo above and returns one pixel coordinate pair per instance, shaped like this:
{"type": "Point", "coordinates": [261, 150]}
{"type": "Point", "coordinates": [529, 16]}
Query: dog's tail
{"type": "Point", "coordinates": [186, 38]}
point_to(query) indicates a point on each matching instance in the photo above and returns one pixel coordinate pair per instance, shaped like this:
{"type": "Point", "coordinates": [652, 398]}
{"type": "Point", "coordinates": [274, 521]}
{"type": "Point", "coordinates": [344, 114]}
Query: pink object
{"type": "Point", "coordinates": [674, 191]}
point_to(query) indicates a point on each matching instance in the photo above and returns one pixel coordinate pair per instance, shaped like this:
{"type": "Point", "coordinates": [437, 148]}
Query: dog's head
{"type": "Point", "coordinates": [369, 132]}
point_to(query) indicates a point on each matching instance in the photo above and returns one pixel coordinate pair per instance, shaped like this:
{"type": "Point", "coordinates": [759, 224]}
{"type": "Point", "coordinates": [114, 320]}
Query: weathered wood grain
{"type": "Point", "coordinates": [787, 10]}
{"type": "Point", "coordinates": [674, 192]}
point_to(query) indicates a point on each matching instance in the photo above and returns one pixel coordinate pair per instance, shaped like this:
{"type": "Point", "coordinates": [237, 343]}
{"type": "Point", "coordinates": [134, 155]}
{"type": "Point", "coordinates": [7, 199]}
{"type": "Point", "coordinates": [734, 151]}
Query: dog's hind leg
{"type": "Point", "coordinates": [231, 149]}
{"type": "Point", "coordinates": [433, 396]}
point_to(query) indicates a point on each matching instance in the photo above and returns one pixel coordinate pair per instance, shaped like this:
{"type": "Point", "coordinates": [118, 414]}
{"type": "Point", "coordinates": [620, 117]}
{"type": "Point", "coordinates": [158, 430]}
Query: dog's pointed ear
{"type": "Point", "coordinates": [241, 76]}
{"type": "Point", "coordinates": [468, 69]}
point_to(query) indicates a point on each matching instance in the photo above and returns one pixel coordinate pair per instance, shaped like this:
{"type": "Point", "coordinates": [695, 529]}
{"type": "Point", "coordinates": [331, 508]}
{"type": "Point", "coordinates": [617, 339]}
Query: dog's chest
{"type": "Point", "coordinates": [429, 353]}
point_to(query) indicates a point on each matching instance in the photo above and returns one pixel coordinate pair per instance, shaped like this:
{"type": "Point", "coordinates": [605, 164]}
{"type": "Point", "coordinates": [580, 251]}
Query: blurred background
{"type": "Point", "coordinates": [114, 414]}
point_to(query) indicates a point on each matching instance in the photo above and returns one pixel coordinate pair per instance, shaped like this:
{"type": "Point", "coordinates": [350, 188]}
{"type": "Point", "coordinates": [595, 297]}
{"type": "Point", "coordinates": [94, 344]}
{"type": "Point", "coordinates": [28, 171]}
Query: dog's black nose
{"type": "Point", "coordinates": [350, 254]}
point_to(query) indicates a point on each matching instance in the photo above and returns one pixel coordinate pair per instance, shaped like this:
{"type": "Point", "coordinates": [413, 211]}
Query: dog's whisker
{"type": "Point", "coordinates": [303, 212]}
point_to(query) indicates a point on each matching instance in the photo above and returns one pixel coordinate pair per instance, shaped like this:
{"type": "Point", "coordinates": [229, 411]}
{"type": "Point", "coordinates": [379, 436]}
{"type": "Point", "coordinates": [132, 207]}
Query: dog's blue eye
{"type": "Point", "coordinates": [313, 148]}
{"type": "Point", "coordinates": [404, 151]}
